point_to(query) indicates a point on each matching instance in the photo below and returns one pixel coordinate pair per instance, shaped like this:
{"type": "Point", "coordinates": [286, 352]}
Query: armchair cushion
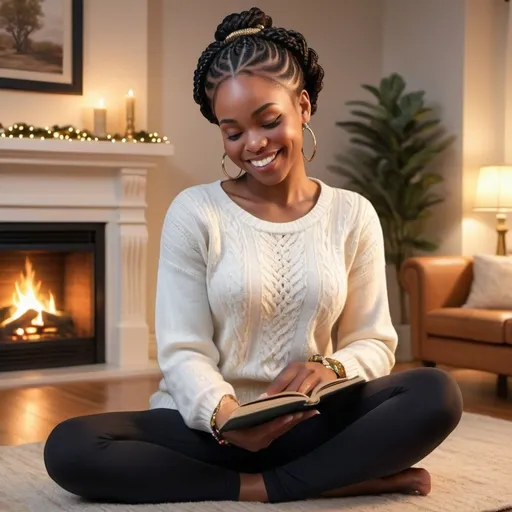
{"type": "Point", "coordinates": [492, 283]}
{"type": "Point", "coordinates": [508, 332]}
{"type": "Point", "coordinates": [487, 326]}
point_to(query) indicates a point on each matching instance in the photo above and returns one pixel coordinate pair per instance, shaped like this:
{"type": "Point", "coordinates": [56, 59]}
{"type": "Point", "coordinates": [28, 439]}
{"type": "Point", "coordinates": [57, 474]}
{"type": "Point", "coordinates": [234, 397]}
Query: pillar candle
{"type": "Point", "coordinates": [100, 119]}
{"type": "Point", "coordinates": [130, 114]}
{"type": "Point", "coordinates": [130, 106]}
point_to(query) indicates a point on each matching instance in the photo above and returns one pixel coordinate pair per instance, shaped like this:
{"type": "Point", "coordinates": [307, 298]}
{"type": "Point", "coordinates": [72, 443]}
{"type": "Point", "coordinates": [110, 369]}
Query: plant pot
{"type": "Point", "coordinates": [403, 351]}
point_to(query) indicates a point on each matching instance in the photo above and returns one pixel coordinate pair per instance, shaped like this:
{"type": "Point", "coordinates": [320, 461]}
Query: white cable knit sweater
{"type": "Point", "coordinates": [238, 298]}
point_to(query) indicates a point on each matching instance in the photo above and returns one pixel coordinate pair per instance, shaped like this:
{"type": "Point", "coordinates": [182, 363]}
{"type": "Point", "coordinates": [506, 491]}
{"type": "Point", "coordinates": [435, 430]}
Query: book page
{"type": "Point", "coordinates": [267, 403]}
{"type": "Point", "coordinates": [283, 394]}
{"type": "Point", "coordinates": [331, 387]}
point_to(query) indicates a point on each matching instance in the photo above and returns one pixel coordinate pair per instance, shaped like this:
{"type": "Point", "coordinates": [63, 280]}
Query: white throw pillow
{"type": "Point", "coordinates": [492, 283]}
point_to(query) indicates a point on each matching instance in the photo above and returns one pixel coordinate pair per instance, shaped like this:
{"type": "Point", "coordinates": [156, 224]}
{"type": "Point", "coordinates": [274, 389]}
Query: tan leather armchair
{"type": "Point", "coordinates": [442, 332]}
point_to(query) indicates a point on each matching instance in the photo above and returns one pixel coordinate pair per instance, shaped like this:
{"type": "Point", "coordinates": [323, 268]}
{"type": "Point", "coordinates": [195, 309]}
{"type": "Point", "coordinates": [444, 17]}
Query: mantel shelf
{"type": "Point", "coordinates": [24, 146]}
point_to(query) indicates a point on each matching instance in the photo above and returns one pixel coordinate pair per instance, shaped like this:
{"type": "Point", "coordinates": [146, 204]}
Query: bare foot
{"type": "Point", "coordinates": [409, 481]}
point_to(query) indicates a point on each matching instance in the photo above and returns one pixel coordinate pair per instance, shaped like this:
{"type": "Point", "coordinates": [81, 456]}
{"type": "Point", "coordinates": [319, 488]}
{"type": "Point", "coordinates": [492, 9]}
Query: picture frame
{"type": "Point", "coordinates": [50, 58]}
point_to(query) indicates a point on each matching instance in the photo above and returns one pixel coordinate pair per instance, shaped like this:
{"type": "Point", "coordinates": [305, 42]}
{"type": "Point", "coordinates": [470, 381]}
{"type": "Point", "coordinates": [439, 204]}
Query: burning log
{"type": "Point", "coordinates": [5, 313]}
{"type": "Point", "coordinates": [23, 321]}
{"type": "Point", "coordinates": [31, 317]}
{"type": "Point", "coordinates": [55, 327]}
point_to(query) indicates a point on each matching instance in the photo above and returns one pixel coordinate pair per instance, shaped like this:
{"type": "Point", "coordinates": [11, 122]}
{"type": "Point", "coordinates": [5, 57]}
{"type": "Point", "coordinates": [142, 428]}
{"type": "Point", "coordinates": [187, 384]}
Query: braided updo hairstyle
{"type": "Point", "coordinates": [279, 54]}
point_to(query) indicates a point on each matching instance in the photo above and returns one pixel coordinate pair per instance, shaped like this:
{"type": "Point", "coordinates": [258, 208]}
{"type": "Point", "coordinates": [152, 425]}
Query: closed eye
{"type": "Point", "coordinates": [274, 123]}
{"type": "Point", "coordinates": [268, 126]}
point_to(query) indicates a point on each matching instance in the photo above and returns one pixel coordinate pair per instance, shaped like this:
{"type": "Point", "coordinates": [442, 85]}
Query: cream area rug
{"type": "Point", "coordinates": [472, 472]}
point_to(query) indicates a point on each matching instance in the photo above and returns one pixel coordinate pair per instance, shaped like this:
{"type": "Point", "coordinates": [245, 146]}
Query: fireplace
{"type": "Point", "coordinates": [99, 190]}
{"type": "Point", "coordinates": [52, 294]}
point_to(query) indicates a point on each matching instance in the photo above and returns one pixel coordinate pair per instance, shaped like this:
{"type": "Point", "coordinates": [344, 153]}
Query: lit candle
{"type": "Point", "coordinates": [130, 114]}
{"type": "Point", "coordinates": [100, 119]}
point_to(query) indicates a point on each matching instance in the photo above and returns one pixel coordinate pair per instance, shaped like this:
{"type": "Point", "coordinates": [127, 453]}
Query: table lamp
{"type": "Point", "coordinates": [494, 194]}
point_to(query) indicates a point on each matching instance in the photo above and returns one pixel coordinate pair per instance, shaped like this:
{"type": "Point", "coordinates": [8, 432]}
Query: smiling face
{"type": "Point", "coordinates": [261, 124]}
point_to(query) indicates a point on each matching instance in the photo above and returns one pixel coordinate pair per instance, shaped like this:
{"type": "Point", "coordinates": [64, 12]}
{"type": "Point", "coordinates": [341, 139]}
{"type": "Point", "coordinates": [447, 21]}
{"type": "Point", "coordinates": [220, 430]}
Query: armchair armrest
{"type": "Point", "coordinates": [434, 282]}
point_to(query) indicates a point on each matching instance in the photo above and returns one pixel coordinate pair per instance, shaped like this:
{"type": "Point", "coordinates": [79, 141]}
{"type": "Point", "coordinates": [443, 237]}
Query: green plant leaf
{"type": "Point", "coordinates": [423, 126]}
{"type": "Point", "coordinates": [400, 123]}
{"type": "Point", "coordinates": [378, 109]}
{"type": "Point", "coordinates": [362, 163]}
{"type": "Point", "coordinates": [431, 178]}
{"type": "Point", "coordinates": [428, 203]}
{"type": "Point", "coordinates": [423, 205]}
{"type": "Point", "coordinates": [445, 144]}
{"type": "Point", "coordinates": [377, 123]}
{"type": "Point", "coordinates": [364, 130]}
{"type": "Point", "coordinates": [422, 113]}
{"type": "Point", "coordinates": [373, 90]}
{"type": "Point", "coordinates": [393, 145]}
{"type": "Point", "coordinates": [412, 103]}
{"type": "Point", "coordinates": [365, 115]}
{"type": "Point", "coordinates": [417, 162]}
{"type": "Point", "coordinates": [370, 145]}
{"type": "Point", "coordinates": [353, 177]}
{"type": "Point", "coordinates": [396, 87]}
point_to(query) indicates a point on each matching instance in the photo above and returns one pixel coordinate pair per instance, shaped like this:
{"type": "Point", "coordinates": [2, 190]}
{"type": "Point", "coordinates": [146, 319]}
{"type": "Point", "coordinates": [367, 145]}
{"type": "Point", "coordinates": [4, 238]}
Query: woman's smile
{"type": "Point", "coordinates": [267, 162]}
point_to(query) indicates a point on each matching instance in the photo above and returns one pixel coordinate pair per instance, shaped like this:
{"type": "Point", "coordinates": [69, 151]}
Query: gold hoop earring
{"type": "Point", "coordinates": [308, 128]}
{"type": "Point", "coordinates": [223, 164]}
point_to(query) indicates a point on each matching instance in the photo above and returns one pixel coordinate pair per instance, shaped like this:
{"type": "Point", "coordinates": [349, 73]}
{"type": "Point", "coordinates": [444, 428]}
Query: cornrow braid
{"type": "Point", "coordinates": [280, 54]}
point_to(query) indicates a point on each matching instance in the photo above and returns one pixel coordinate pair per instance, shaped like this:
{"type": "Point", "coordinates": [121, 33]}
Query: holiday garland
{"type": "Point", "coordinates": [26, 131]}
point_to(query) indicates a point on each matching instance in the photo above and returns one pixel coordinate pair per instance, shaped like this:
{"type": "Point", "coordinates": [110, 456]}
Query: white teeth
{"type": "Point", "coordinates": [265, 161]}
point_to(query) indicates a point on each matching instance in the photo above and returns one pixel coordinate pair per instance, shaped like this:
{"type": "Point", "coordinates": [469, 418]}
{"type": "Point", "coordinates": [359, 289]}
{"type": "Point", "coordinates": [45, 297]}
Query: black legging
{"type": "Point", "coordinates": [151, 456]}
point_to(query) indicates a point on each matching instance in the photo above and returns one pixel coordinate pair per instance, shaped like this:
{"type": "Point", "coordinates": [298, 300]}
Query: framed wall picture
{"type": "Point", "coordinates": [41, 45]}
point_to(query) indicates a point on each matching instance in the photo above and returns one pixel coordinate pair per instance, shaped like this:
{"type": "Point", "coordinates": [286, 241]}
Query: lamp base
{"type": "Point", "coordinates": [501, 229]}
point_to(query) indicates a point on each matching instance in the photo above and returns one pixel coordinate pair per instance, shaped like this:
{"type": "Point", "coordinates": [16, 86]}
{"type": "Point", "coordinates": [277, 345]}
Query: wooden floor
{"type": "Point", "coordinates": [28, 415]}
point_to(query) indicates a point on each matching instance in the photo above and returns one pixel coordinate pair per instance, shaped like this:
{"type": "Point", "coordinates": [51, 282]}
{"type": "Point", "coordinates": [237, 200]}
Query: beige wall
{"type": "Point", "coordinates": [455, 51]}
{"type": "Point", "coordinates": [484, 113]}
{"type": "Point", "coordinates": [346, 34]}
{"type": "Point", "coordinates": [115, 60]}
{"type": "Point", "coordinates": [507, 150]}
{"type": "Point", "coordinates": [424, 41]}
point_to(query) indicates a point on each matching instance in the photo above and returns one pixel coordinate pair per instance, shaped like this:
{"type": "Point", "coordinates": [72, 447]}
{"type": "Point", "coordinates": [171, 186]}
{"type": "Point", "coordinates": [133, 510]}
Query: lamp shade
{"type": "Point", "coordinates": [494, 189]}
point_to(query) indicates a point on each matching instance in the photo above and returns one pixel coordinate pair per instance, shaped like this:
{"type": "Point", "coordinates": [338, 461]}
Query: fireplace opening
{"type": "Point", "coordinates": [52, 310]}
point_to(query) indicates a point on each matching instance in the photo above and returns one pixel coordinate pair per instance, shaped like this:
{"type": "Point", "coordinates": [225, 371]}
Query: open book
{"type": "Point", "coordinates": [266, 409]}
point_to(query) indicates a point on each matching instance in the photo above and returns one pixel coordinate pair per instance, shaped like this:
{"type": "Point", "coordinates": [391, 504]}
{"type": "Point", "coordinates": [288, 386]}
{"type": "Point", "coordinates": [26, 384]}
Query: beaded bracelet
{"type": "Point", "coordinates": [338, 368]}
{"type": "Point", "coordinates": [213, 422]}
{"type": "Point", "coordinates": [331, 364]}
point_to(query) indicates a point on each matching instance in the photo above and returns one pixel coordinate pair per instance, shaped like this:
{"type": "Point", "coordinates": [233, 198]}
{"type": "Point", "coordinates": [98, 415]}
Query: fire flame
{"type": "Point", "coordinates": [26, 297]}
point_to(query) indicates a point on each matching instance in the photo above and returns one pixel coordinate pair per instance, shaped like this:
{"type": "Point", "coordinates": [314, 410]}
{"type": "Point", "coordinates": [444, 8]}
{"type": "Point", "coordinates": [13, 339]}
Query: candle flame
{"type": "Point", "coordinates": [101, 104]}
{"type": "Point", "coordinates": [130, 93]}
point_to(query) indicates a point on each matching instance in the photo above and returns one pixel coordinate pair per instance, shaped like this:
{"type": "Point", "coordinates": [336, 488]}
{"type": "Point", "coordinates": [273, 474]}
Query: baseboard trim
{"type": "Point", "coordinates": [95, 372]}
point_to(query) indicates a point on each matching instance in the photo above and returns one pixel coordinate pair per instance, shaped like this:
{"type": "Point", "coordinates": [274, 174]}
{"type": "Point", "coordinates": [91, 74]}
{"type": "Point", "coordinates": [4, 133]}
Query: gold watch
{"type": "Point", "coordinates": [330, 364]}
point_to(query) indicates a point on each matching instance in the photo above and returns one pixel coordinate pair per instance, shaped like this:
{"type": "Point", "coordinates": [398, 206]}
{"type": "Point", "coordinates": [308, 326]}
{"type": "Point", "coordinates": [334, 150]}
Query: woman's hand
{"type": "Point", "coordinates": [257, 438]}
{"type": "Point", "coordinates": [301, 377]}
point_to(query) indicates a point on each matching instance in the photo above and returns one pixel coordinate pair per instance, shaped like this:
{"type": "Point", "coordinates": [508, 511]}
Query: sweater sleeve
{"type": "Point", "coordinates": [187, 355]}
{"type": "Point", "coordinates": [366, 339]}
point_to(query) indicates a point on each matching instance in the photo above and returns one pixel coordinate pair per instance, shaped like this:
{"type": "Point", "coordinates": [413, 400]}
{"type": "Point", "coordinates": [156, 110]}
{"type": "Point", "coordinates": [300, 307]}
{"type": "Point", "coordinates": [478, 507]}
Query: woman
{"type": "Point", "coordinates": [268, 281]}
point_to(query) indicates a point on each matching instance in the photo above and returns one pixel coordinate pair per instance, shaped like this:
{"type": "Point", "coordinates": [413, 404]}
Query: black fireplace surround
{"type": "Point", "coordinates": [60, 265]}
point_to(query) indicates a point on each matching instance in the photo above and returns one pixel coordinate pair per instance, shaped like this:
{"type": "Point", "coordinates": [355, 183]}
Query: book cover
{"type": "Point", "coordinates": [266, 409]}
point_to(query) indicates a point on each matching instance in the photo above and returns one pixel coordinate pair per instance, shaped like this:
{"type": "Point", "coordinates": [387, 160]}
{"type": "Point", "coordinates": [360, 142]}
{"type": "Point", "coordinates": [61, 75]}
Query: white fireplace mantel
{"type": "Point", "coordinates": [71, 181]}
{"type": "Point", "coordinates": [71, 147]}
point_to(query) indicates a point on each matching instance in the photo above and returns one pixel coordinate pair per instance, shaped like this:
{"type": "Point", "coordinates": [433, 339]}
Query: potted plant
{"type": "Point", "coordinates": [393, 141]}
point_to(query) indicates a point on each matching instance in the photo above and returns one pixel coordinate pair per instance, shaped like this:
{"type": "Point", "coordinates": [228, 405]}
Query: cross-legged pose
{"type": "Point", "coordinates": [268, 280]}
